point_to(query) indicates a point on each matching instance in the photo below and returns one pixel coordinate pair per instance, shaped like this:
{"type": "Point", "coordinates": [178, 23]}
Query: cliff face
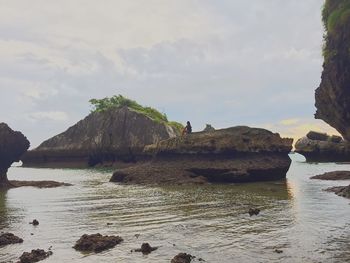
{"type": "Point", "coordinates": [12, 146]}
{"type": "Point", "coordinates": [238, 154]}
{"type": "Point", "coordinates": [117, 134]}
{"type": "Point", "coordinates": [333, 94]}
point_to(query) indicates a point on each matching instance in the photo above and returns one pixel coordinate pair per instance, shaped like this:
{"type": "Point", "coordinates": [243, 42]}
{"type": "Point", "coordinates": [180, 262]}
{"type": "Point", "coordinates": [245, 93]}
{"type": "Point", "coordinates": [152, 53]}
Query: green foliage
{"type": "Point", "coordinates": [116, 102]}
{"type": "Point", "coordinates": [335, 13]}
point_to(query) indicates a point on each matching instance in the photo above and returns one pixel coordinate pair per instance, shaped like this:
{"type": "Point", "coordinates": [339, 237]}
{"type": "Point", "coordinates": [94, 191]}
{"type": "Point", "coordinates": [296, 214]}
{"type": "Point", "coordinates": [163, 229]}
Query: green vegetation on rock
{"type": "Point", "coordinates": [119, 101]}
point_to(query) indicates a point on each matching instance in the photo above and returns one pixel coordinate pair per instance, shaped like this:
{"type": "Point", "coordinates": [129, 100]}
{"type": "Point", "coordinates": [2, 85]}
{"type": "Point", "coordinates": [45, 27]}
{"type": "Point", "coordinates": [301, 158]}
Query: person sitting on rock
{"type": "Point", "coordinates": [187, 129]}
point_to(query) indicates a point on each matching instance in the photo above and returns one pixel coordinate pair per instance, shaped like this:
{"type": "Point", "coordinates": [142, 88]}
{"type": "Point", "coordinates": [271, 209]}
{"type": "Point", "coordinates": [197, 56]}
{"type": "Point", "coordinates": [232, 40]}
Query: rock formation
{"type": "Point", "coordinates": [96, 243]}
{"type": "Point", "coordinates": [238, 154]}
{"type": "Point", "coordinates": [13, 145]}
{"type": "Point", "coordinates": [333, 176]}
{"type": "Point", "coordinates": [35, 255]}
{"type": "Point", "coordinates": [102, 137]}
{"type": "Point", "coordinates": [343, 191]}
{"type": "Point", "coordinates": [333, 94]}
{"type": "Point", "coordinates": [9, 238]}
{"type": "Point", "coordinates": [320, 147]}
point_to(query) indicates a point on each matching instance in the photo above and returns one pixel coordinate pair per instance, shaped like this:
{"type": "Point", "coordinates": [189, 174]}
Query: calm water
{"type": "Point", "coordinates": [210, 222]}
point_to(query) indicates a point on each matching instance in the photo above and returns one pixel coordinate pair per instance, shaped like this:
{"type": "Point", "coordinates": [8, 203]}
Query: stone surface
{"type": "Point", "coordinates": [9, 238]}
{"type": "Point", "coordinates": [101, 138]}
{"type": "Point", "coordinates": [13, 145]}
{"type": "Point", "coordinates": [38, 184]}
{"type": "Point", "coordinates": [337, 175]}
{"type": "Point", "coordinates": [96, 242]}
{"type": "Point", "coordinates": [238, 154]}
{"type": "Point", "coordinates": [182, 258]}
{"type": "Point", "coordinates": [34, 256]}
{"type": "Point", "coordinates": [329, 149]}
{"type": "Point", "coordinates": [333, 94]}
{"type": "Point", "coordinates": [343, 191]}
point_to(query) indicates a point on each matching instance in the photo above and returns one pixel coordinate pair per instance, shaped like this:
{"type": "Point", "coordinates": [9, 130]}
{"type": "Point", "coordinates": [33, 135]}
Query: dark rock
{"type": "Point", "coordinates": [13, 145]}
{"type": "Point", "coordinates": [337, 175]}
{"type": "Point", "coordinates": [102, 138]}
{"type": "Point", "coordinates": [182, 258]}
{"type": "Point", "coordinates": [278, 251]}
{"type": "Point", "coordinates": [146, 249]}
{"type": "Point", "coordinates": [343, 191]}
{"type": "Point", "coordinates": [254, 211]}
{"type": "Point", "coordinates": [238, 154]}
{"type": "Point", "coordinates": [312, 135]}
{"type": "Point", "coordinates": [34, 256]}
{"type": "Point", "coordinates": [333, 94]}
{"type": "Point", "coordinates": [323, 151]}
{"type": "Point", "coordinates": [38, 184]}
{"type": "Point", "coordinates": [9, 238]}
{"type": "Point", "coordinates": [97, 242]}
{"type": "Point", "coordinates": [336, 139]}
{"type": "Point", "coordinates": [35, 222]}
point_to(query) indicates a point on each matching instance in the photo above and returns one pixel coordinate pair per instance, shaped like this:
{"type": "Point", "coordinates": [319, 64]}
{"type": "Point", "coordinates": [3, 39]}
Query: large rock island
{"type": "Point", "coordinates": [116, 134]}
{"type": "Point", "coordinates": [238, 154]}
{"type": "Point", "coordinates": [13, 144]}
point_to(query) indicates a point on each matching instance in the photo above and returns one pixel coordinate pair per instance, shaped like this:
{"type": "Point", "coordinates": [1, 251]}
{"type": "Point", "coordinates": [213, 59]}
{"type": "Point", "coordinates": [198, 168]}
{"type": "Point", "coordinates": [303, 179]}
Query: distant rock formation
{"type": "Point", "coordinates": [209, 128]}
{"type": "Point", "coordinates": [333, 94]}
{"type": "Point", "coordinates": [320, 147]}
{"type": "Point", "coordinates": [13, 145]}
{"type": "Point", "coordinates": [238, 154]}
{"type": "Point", "coordinates": [102, 137]}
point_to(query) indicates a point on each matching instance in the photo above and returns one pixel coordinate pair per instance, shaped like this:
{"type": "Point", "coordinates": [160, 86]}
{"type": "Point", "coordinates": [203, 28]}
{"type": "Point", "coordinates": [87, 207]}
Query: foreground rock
{"type": "Point", "coordinates": [146, 249]}
{"type": "Point", "coordinates": [333, 94]}
{"type": "Point", "coordinates": [97, 242]}
{"type": "Point", "coordinates": [337, 175]}
{"type": "Point", "coordinates": [9, 238]}
{"type": "Point", "coordinates": [343, 191]}
{"type": "Point", "coordinates": [238, 154]}
{"type": "Point", "coordinates": [38, 184]}
{"type": "Point", "coordinates": [34, 256]}
{"type": "Point", "coordinates": [102, 138]}
{"type": "Point", "coordinates": [13, 145]}
{"type": "Point", "coordinates": [320, 147]}
{"type": "Point", "coordinates": [182, 258]}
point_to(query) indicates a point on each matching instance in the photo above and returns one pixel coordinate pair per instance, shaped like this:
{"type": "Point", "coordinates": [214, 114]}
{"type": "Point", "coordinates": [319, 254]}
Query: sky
{"type": "Point", "coordinates": [222, 62]}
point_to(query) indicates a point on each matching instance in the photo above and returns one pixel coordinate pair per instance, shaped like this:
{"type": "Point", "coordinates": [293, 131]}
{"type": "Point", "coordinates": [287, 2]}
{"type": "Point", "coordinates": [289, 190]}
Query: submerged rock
{"type": "Point", "coordinates": [34, 256]}
{"type": "Point", "coordinates": [146, 249]}
{"type": "Point", "coordinates": [38, 184]}
{"type": "Point", "coordinates": [13, 145]}
{"type": "Point", "coordinates": [35, 222]}
{"type": "Point", "coordinates": [343, 191]}
{"type": "Point", "coordinates": [182, 258]}
{"type": "Point", "coordinates": [253, 211]}
{"type": "Point", "coordinates": [337, 175]}
{"type": "Point", "coordinates": [333, 94]}
{"type": "Point", "coordinates": [323, 149]}
{"type": "Point", "coordinates": [238, 154]}
{"type": "Point", "coordinates": [9, 238]}
{"type": "Point", "coordinates": [96, 242]}
{"type": "Point", "coordinates": [102, 138]}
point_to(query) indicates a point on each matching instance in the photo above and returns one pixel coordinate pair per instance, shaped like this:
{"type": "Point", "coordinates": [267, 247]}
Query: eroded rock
{"type": "Point", "coordinates": [182, 258]}
{"type": "Point", "coordinates": [9, 238]}
{"type": "Point", "coordinates": [34, 256]}
{"type": "Point", "coordinates": [336, 175]}
{"type": "Point", "coordinates": [97, 242]}
{"type": "Point", "coordinates": [343, 191]}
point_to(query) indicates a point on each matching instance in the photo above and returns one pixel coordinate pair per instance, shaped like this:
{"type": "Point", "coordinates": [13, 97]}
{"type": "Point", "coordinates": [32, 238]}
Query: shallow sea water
{"type": "Point", "coordinates": [210, 222]}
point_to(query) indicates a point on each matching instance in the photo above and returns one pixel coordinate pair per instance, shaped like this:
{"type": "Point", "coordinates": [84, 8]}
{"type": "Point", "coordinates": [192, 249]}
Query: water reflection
{"type": "Point", "coordinates": [3, 210]}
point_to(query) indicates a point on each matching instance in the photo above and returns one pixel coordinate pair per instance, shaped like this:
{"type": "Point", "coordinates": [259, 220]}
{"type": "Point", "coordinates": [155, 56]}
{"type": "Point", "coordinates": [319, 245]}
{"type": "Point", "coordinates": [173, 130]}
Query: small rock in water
{"type": "Point", "coordinates": [146, 249]}
{"type": "Point", "coordinates": [9, 238]}
{"type": "Point", "coordinates": [279, 251]}
{"type": "Point", "coordinates": [34, 256]}
{"type": "Point", "coordinates": [109, 224]}
{"type": "Point", "coordinates": [96, 242]}
{"type": "Point", "coordinates": [137, 235]}
{"type": "Point", "coordinates": [34, 223]}
{"type": "Point", "coordinates": [182, 258]}
{"type": "Point", "coordinates": [254, 211]}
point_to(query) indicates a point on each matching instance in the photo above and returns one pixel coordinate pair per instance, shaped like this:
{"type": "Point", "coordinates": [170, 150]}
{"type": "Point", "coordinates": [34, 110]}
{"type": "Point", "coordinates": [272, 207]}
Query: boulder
{"type": "Point", "coordinates": [331, 149]}
{"type": "Point", "coordinates": [102, 138]}
{"type": "Point", "coordinates": [9, 238]}
{"type": "Point", "coordinates": [333, 94]}
{"type": "Point", "coordinates": [318, 136]}
{"type": "Point", "coordinates": [182, 258]}
{"type": "Point", "coordinates": [13, 145]}
{"type": "Point", "coordinates": [146, 249]}
{"type": "Point", "coordinates": [96, 242]}
{"type": "Point", "coordinates": [34, 256]}
{"type": "Point", "coordinates": [237, 154]}
{"type": "Point", "coordinates": [343, 191]}
{"type": "Point", "coordinates": [208, 128]}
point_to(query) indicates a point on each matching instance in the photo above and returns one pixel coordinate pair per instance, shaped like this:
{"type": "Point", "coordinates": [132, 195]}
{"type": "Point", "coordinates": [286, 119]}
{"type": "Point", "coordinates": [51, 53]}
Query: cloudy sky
{"type": "Point", "coordinates": [223, 62]}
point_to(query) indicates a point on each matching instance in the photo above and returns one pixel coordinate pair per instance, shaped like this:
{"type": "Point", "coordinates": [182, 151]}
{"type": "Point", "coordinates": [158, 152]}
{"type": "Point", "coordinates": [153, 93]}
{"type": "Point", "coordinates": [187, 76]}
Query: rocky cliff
{"type": "Point", "coordinates": [116, 134]}
{"type": "Point", "coordinates": [238, 154]}
{"type": "Point", "coordinates": [12, 146]}
{"type": "Point", "coordinates": [333, 94]}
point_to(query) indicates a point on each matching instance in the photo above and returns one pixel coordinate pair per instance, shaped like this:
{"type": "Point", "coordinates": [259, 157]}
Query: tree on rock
{"type": "Point", "coordinates": [13, 145]}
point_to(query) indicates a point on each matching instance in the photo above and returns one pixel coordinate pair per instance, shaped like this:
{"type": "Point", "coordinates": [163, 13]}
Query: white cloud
{"type": "Point", "coordinates": [50, 115]}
